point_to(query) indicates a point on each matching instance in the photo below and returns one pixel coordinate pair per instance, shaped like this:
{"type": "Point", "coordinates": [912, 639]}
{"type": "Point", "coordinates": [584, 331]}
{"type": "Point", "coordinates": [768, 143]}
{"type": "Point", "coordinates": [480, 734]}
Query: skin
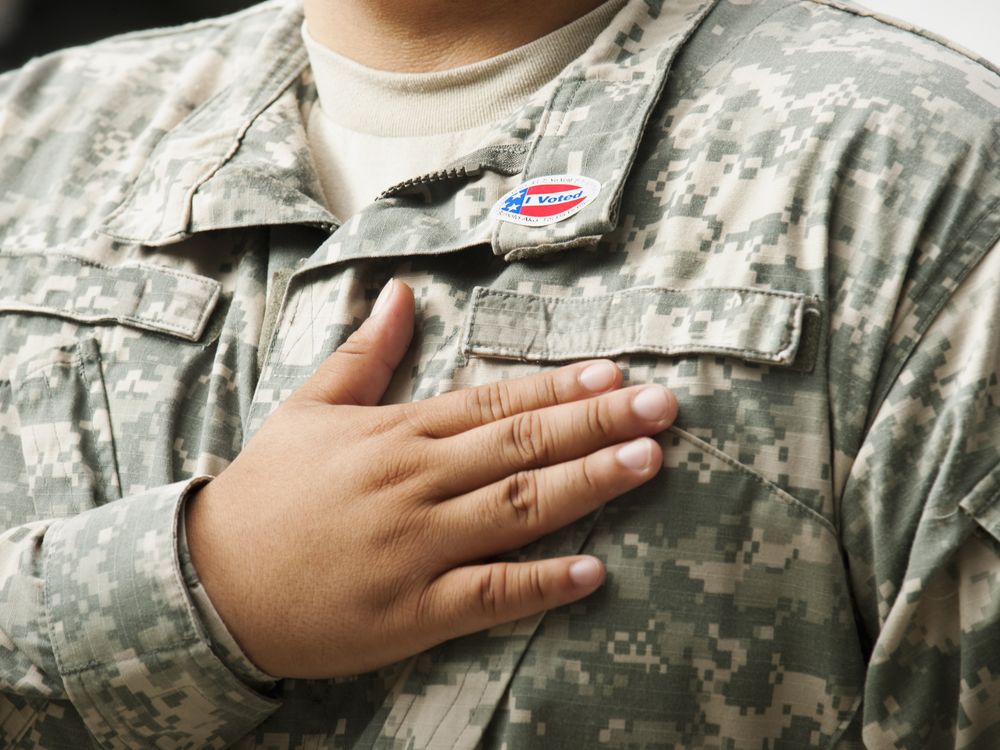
{"type": "Point", "coordinates": [347, 535]}
{"type": "Point", "coordinates": [419, 36]}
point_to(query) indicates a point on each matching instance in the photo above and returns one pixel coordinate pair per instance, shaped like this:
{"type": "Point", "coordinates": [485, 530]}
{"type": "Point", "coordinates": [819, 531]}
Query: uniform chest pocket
{"type": "Point", "coordinates": [56, 314]}
{"type": "Point", "coordinates": [726, 612]}
{"type": "Point", "coordinates": [741, 361]}
{"type": "Point", "coordinates": [65, 428]}
{"type": "Point", "coordinates": [753, 325]}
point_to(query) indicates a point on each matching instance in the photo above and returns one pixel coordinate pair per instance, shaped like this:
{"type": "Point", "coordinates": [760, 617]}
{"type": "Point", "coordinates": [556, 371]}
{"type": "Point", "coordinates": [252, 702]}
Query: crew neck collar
{"type": "Point", "coordinates": [384, 103]}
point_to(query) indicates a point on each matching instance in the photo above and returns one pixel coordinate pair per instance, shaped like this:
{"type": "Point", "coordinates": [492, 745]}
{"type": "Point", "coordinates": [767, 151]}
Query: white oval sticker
{"type": "Point", "coordinates": [546, 200]}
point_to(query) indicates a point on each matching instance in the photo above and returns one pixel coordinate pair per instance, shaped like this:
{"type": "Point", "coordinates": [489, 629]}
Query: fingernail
{"type": "Point", "coordinates": [599, 377]}
{"type": "Point", "coordinates": [651, 404]}
{"type": "Point", "coordinates": [636, 455]}
{"type": "Point", "coordinates": [383, 298]}
{"type": "Point", "coordinates": [585, 572]}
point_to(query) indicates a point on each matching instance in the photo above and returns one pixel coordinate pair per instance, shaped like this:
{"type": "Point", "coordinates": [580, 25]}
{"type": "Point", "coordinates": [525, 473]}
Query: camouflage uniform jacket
{"type": "Point", "coordinates": [794, 232]}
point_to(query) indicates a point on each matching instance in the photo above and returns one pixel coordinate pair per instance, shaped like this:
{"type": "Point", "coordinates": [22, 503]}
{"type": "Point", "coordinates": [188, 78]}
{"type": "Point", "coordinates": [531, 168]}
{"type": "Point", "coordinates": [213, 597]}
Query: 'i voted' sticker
{"type": "Point", "coordinates": [546, 200]}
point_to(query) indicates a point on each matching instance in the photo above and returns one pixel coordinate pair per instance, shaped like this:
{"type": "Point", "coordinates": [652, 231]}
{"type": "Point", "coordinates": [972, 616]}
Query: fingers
{"type": "Point", "coordinates": [456, 412]}
{"type": "Point", "coordinates": [360, 370]}
{"type": "Point", "coordinates": [466, 600]}
{"type": "Point", "coordinates": [530, 504]}
{"type": "Point", "coordinates": [552, 435]}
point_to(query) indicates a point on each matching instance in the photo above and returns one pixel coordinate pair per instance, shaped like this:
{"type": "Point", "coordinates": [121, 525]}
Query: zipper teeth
{"type": "Point", "coordinates": [474, 166]}
{"type": "Point", "coordinates": [444, 174]}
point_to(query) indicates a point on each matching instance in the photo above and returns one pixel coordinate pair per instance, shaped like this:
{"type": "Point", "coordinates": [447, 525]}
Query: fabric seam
{"type": "Point", "coordinates": [760, 478]}
{"type": "Point", "coordinates": [210, 289]}
{"type": "Point", "coordinates": [793, 326]}
{"type": "Point", "coordinates": [916, 30]}
{"type": "Point", "coordinates": [682, 93]}
{"type": "Point", "coordinates": [255, 107]}
{"type": "Point", "coordinates": [878, 397]}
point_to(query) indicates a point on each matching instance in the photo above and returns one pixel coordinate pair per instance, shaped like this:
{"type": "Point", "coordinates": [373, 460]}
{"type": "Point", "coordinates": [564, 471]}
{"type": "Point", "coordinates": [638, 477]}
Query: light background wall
{"type": "Point", "coordinates": [972, 23]}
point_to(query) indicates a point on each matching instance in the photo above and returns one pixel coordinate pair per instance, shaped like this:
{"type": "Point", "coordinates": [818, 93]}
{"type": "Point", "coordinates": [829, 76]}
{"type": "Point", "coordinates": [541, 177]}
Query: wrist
{"type": "Point", "coordinates": [208, 535]}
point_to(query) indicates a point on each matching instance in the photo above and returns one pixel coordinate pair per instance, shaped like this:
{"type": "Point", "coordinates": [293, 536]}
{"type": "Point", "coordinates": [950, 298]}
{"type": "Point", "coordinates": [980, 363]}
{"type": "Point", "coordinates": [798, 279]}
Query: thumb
{"type": "Point", "coordinates": [360, 370]}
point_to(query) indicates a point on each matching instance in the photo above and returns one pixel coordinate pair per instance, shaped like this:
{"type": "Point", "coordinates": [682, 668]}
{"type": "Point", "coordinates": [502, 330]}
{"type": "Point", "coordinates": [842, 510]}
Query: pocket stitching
{"type": "Point", "coordinates": [792, 327]}
{"type": "Point", "coordinates": [72, 357]}
{"type": "Point", "coordinates": [209, 287]}
{"type": "Point", "coordinates": [759, 478]}
{"type": "Point", "coordinates": [92, 356]}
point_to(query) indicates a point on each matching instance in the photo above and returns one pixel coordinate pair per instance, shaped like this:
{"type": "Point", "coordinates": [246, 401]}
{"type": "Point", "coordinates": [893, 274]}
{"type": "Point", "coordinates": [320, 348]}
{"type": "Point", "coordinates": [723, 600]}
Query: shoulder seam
{"type": "Point", "coordinates": [732, 48]}
{"type": "Point", "coordinates": [905, 26]}
{"type": "Point", "coordinates": [880, 394]}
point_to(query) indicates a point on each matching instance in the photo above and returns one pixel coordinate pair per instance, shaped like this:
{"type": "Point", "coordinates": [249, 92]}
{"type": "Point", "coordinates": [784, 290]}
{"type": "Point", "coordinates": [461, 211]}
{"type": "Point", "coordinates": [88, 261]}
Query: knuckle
{"type": "Point", "coordinates": [493, 589]}
{"type": "Point", "coordinates": [359, 346]}
{"type": "Point", "coordinates": [547, 392]}
{"type": "Point", "coordinates": [394, 471]}
{"type": "Point", "coordinates": [534, 589]}
{"type": "Point", "coordinates": [590, 477]}
{"type": "Point", "coordinates": [506, 590]}
{"type": "Point", "coordinates": [520, 495]}
{"type": "Point", "coordinates": [478, 401]}
{"type": "Point", "coordinates": [491, 402]}
{"type": "Point", "coordinates": [355, 346]}
{"type": "Point", "coordinates": [505, 400]}
{"type": "Point", "coordinates": [414, 418]}
{"type": "Point", "coordinates": [527, 438]}
{"type": "Point", "coordinates": [427, 487]}
{"type": "Point", "coordinates": [379, 422]}
{"type": "Point", "coordinates": [598, 417]}
{"type": "Point", "coordinates": [426, 608]}
{"type": "Point", "coordinates": [396, 532]}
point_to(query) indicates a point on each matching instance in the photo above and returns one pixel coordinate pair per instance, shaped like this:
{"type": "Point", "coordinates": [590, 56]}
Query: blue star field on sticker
{"type": "Point", "coordinates": [515, 201]}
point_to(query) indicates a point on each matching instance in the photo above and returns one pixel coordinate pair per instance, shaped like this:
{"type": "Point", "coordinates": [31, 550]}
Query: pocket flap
{"type": "Point", "coordinates": [144, 296]}
{"type": "Point", "coordinates": [755, 325]}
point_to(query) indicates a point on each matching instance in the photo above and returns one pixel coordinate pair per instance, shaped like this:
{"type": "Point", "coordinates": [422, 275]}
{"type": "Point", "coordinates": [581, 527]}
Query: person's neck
{"type": "Point", "coordinates": [419, 36]}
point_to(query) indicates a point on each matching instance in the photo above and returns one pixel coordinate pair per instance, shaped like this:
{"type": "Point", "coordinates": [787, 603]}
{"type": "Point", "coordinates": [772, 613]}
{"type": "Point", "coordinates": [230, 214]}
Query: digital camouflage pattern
{"type": "Point", "coordinates": [794, 234]}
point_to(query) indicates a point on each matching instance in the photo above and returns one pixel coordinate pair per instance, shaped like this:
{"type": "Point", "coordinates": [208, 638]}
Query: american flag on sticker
{"type": "Point", "coordinates": [546, 200]}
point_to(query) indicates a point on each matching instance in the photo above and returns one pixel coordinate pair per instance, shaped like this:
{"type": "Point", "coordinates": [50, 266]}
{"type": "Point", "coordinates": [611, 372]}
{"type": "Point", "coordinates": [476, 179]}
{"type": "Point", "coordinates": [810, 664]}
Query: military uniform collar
{"type": "Point", "coordinates": [178, 192]}
{"type": "Point", "coordinates": [242, 158]}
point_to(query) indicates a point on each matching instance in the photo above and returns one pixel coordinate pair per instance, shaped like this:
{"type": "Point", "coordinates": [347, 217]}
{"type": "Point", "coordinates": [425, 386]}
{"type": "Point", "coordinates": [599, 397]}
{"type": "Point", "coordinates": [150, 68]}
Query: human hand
{"type": "Point", "coordinates": [347, 536]}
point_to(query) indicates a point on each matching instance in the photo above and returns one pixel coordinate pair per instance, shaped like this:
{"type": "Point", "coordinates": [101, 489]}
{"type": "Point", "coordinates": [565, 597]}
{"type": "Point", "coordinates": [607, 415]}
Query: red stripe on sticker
{"type": "Point", "coordinates": [549, 209]}
{"type": "Point", "coordinates": [560, 188]}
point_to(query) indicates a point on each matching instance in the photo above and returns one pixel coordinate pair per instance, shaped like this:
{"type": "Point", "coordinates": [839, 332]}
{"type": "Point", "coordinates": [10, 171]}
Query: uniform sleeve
{"type": "Point", "coordinates": [95, 609]}
{"type": "Point", "coordinates": [921, 526]}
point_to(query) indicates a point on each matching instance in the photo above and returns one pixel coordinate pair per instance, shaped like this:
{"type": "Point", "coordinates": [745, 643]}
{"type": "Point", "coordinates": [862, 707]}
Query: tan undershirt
{"type": "Point", "coordinates": [374, 129]}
